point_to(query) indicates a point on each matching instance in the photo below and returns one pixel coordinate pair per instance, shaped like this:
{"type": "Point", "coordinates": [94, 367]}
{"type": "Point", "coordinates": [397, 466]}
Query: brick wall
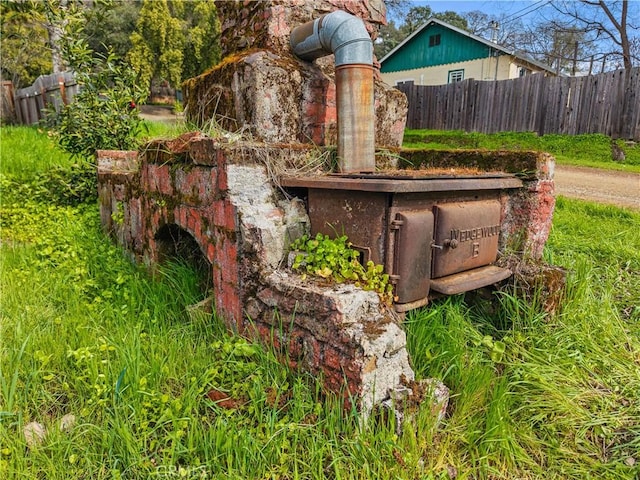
{"type": "Point", "coordinates": [222, 197]}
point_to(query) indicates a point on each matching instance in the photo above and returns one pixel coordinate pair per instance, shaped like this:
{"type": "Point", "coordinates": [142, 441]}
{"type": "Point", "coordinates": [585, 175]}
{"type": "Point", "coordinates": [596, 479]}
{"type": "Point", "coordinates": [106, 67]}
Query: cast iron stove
{"type": "Point", "coordinates": [432, 233]}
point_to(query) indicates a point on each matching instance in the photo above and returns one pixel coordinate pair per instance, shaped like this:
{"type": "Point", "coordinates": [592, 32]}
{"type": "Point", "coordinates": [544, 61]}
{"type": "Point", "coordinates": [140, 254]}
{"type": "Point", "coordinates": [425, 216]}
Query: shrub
{"type": "Point", "coordinates": [104, 113]}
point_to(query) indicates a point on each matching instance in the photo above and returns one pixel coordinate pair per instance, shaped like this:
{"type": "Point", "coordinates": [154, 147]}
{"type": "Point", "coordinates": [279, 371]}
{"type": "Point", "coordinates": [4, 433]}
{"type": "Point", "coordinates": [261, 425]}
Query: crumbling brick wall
{"type": "Point", "coordinates": [222, 196]}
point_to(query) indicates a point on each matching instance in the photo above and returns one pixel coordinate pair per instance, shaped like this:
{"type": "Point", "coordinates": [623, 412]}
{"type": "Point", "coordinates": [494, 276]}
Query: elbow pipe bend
{"type": "Point", "coordinates": [331, 33]}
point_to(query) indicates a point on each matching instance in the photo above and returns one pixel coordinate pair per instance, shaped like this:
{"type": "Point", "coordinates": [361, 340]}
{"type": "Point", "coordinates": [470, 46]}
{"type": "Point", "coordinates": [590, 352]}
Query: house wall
{"type": "Point", "coordinates": [480, 69]}
{"type": "Point", "coordinates": [427, 58]}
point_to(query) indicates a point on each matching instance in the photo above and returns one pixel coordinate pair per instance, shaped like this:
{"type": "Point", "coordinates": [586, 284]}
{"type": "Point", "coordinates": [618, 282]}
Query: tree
{"type": "Point", "coordinates": [175, 40]}
{"type": "Point", "coordinates": [23, 42]}
{"type": "Point", "coordinates": [109, 26]}
{"type": "Point", "coordinates": [608, 21]}
{"type": "Point", "coordinates": [389, 36]}
{"type": "Point", "coordinates": [452, 18]}
{"type": "Point", "coordinates": [103, 114]}
{"type": "Point", "coordinates": [560, 46]}
{"type": "Point", "coordinates": [499, 28]}
{"type": "Point", "coordinates": [415, 18]}
{"type": "Point", "coordinates": [40, 25]}
{"type": "Point", "coordinates": [202, 37]}
{"type": "Point", "coordinates": [157, 44]}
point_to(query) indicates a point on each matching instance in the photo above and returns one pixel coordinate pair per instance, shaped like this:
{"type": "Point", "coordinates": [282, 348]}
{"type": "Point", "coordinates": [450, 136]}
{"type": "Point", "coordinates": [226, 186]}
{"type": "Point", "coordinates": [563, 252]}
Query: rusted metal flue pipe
{"type": "Point", "coordinates": [346, 37]}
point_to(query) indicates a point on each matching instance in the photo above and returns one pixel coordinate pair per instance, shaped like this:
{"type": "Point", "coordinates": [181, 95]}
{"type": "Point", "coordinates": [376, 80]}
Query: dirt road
{"type": "Point", "coordinates": [603, 186]}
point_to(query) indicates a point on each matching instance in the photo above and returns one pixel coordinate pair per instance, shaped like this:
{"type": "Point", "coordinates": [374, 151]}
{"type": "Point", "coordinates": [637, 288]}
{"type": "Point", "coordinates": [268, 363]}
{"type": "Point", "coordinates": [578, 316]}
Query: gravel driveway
{"type": "Point", "coordinates": [602, 186]}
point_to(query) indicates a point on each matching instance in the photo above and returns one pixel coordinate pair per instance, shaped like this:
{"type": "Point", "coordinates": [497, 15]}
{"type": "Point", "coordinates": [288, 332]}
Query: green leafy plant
{"type": "Point", "coordinates": [334, 259]}
{"type": "Point", "coordinates": [103, 114]}
{"type": "Point", "coordinates": [178, 107]}
{"type": "Point", "coordinates": [118, 215]}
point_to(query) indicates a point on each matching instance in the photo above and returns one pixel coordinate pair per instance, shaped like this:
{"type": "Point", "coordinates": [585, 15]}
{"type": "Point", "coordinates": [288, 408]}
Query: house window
{"type": "Point", "coordinates": [523, 72]}
{"type": "Point", "coordinates": [456, 75]}
{"type": "Point", "coordinates": [434, 40]}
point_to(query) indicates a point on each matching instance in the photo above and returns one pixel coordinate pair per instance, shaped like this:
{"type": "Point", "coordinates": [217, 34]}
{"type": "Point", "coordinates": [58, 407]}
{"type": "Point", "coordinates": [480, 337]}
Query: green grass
{"type": "Point", "coordinates": [84, 331]}
{"type": "Point", "coordinates": [589, 150]}
{"type": "Point", "coordinates": [25, 150]}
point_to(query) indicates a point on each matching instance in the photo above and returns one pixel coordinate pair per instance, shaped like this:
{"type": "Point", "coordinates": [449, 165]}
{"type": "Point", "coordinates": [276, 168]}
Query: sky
{"type": "Point", "coordinates": [524, 8]}
{"type": "Point", "coordinates": [530, 12]}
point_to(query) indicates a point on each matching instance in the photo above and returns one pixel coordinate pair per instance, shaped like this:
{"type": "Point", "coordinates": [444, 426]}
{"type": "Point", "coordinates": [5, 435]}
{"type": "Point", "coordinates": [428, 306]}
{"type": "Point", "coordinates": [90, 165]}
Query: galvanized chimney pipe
{"type": "Point", "coordinates": [346, 37]}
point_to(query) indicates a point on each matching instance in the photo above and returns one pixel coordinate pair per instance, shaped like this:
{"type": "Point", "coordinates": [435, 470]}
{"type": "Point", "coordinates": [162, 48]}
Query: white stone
{"type": "Point", "coordinates": [263, 223]}
{"type": "Point", "coordinates": [34, 434]}
{"type": "Point", "coordinates": [67, 422]}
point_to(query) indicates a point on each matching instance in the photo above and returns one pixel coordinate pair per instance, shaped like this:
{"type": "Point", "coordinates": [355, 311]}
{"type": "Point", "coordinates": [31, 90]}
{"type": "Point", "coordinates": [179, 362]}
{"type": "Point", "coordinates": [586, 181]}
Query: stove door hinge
{"type": "Point", "coordinates": [396, 224]}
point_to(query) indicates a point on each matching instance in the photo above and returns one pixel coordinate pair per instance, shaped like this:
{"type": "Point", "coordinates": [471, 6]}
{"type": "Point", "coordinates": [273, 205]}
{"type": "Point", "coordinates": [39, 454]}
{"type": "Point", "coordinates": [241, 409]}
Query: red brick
{"type": "Point", "coordinates": [211, 252]}
{"type": "Point", "coordinates": [332, 358]}
{"type": "Point", "coordinates": [224, 214]}
{"type": "Point", "coordinates": [222, 171]}
{"type": "Point", "coordinates": [295, 346]}
{"type": "Point", "coordinates": [180, 214]}
{"type": "Point", "coordinates": [196, 187]}
{"type": "Point", "coordinates": [157, 178]}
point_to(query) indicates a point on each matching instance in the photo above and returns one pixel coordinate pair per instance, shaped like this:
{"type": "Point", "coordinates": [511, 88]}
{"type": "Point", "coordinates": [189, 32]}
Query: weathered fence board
{"type": "Point", "coordinates": [608, 103]}
{"type": "Point", "coordinates": [48, 91]}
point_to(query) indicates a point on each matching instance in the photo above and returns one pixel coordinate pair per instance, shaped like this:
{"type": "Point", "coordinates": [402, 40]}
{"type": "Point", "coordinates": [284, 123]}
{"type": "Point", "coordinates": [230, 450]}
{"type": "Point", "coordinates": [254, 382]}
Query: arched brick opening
{"type": "Point", "coordinates": [176, 244]}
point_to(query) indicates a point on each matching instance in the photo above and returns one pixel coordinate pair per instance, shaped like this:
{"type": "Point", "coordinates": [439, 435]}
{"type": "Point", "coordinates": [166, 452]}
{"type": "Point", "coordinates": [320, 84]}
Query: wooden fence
{"type": "Point", "coordinates": [608, 103]}
{"type": "Point", "coordinates": [47, 91]}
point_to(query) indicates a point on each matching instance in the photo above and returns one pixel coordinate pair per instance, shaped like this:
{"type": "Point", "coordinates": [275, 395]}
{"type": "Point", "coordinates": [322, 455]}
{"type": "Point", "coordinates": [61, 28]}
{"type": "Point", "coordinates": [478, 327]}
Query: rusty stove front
{"type": "Point", "coordinates": [432, 233]}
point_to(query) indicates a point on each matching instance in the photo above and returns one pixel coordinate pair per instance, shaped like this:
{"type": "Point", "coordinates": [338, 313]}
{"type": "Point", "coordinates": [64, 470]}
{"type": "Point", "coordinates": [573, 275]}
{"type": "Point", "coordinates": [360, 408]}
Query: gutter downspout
{"type": "Point", "coordinates": [345, 36]}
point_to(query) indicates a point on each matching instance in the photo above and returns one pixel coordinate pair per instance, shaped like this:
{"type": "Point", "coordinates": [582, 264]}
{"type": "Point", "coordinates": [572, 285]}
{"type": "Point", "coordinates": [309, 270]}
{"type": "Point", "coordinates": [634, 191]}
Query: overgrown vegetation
{"type": "Point", "coordinates": [333, 258]}
{"type": "Point", "coordinates": [588, 150]}
{"type": "Point", "coordinates": [103, 114]}
{"type": "Point", "coordinates": [87, 333]}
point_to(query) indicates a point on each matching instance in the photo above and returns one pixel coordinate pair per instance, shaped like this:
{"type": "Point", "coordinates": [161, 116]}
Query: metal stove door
{"type": "Point", "coordinates": [412, 254]}
{"type": "Point", "coordinates": [466, 236]}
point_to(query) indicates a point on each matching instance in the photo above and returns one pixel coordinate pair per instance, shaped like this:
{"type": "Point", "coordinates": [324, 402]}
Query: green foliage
{"type": "Point", "coordinates": [103, 115]}
{"type": "Point", "coordinates": [391, 34]}
{"type": "Point", "coordinates": [589, 150]}
{"type": "Point", "coordinates": [85, 332]}
{"type": "Point", "coordinates": [174, 41]}
{"type": "Point", "coordinates": [33, 167]}
{"type": "Point", "coordinates": [23, 42]}
{"type": "Point", "coordinates": [335, 259]}
{"type": "Point", "coordinates": [27, 151]}
{"type": "Point", "coordinates": [201, 27]}
{"type": "Point", "coordinates": [109, 27]}
{"type": "Point", "coordinates": [178, 107]}
{"type": "Point", "coordinates": [61, 185]}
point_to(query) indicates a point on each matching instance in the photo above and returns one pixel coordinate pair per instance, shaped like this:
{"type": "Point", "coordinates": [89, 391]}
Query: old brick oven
{"type": "Point", "coordinates": [438, 222]}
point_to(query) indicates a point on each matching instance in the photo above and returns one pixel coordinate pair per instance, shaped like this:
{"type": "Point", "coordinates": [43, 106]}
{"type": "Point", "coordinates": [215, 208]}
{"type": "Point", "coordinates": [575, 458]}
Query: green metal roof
{"type": "Point", "coordinates": [417, 53]}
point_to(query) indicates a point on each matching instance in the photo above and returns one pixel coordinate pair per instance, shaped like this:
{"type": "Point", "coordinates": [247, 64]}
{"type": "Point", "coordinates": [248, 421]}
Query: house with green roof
{"type": "Point", "coordinates": [439, 53]}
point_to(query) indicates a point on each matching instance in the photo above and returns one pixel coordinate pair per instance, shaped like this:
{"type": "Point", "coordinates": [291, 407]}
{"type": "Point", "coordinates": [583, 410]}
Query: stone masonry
{"type": "Point", "coordinates": [261, 88]}
{"type": "Point", "coordinates": [218, 195]}
{"type": "Point", "coordinates": [221, 195]}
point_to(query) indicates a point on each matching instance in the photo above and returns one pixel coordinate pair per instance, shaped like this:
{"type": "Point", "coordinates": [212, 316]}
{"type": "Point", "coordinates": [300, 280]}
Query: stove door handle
{"type": "Point", "coordinates": [447, 243]}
